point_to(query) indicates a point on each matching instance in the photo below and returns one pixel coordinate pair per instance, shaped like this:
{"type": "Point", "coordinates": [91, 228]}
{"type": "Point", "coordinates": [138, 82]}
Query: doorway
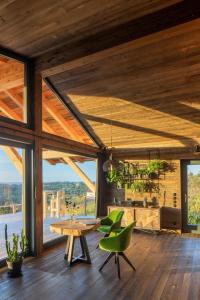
{"type": "Point", "coordinates": [191, 195]}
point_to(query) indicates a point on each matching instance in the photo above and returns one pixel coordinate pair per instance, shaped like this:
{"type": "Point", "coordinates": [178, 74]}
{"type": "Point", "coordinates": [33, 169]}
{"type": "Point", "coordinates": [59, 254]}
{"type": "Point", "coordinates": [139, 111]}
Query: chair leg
{"type": "Point", "coordinates": [106, 261]}
{"type": "Point", "coordinates": [118, 265]}
{"type": "Point", "coordinates": [127, 260]}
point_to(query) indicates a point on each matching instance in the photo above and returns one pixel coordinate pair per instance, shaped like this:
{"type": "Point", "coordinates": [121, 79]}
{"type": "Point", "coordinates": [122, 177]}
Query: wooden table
{"type": "Point", "coordinates": [75, 229]}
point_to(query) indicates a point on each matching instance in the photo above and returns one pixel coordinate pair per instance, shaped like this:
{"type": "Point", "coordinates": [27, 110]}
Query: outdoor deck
{"type": "Point", "coordinates": [14, 222]}
{"type": "Point", "coordinates": [168, 267]}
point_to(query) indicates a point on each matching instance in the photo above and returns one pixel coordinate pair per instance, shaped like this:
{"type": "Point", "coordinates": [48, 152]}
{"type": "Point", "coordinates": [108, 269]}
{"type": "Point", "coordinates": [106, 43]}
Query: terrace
{"type": "Point", "coordinates": [100, 112]}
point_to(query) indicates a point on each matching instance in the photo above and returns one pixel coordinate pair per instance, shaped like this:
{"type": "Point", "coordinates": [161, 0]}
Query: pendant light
{"type": "Point", "coordinates": [110, 164]}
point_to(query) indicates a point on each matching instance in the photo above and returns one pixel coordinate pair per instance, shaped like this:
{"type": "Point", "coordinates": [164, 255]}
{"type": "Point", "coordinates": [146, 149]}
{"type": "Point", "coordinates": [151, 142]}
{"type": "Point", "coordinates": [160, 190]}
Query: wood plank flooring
{"type": "Point", "coordinates": [168, 267]}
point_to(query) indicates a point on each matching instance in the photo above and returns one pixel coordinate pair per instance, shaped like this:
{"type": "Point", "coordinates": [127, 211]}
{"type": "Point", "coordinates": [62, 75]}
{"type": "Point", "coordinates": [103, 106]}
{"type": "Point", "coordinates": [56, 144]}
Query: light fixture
{"type": "Point", "coordinates": [110, 164]}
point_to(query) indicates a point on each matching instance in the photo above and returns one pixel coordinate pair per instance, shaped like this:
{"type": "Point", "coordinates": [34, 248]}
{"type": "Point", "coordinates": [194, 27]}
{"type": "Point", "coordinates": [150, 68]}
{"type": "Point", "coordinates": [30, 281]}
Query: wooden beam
{"type": "Point", "coordinates": [49, 154]}
{"type": "Point", "coordinates": [58, 60]}
{"type": "Point", "coordinates": [14, 157]}
{"type": "Point", "coordinates": [10, 113]}
{"type": "Point", "coordinates": [16, 98]}
{"type": "Point", "coordinates": [60, 120]}
{"type": "Point", "coordinates": [75, 113]}
{"type": "Point", "coordinates": [19, 101]}
{"type": "Point", "coordinates": [64, 144]}
{"type": "Point", "coordinates": [81, 174]}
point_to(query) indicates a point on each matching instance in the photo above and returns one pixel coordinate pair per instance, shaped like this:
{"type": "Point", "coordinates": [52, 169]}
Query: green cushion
{"type": "Point", "coordinates": [104, 229]}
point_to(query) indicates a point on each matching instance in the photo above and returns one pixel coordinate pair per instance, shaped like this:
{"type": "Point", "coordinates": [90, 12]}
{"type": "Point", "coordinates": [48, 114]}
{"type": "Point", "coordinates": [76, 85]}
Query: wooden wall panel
{"type": "Point", "coordinates": [169, 184]}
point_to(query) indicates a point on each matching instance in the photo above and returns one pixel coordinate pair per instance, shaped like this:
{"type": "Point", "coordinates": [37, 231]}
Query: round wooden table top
{"type": "Point", "coordinates": [75, 228]}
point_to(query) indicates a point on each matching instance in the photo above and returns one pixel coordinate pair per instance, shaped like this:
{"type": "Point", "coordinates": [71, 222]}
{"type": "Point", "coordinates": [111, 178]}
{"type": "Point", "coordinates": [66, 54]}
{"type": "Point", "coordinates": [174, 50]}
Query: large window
{"type": "Point", "coordinates": [58, 120]}
{"type": "Point", "coordinates": [11, 192]}
{"type": "Point", "coordinates": [67, 178]}
{"type": "Point", "coordinates": [12, 89]}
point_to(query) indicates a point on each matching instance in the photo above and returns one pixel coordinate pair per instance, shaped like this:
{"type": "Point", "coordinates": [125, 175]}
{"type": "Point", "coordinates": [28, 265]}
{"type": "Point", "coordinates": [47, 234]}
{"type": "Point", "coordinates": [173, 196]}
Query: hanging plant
{"type": "Point", "coordinates": [111, 176]}
{"type": "Point", "coordinates": [156, 165]}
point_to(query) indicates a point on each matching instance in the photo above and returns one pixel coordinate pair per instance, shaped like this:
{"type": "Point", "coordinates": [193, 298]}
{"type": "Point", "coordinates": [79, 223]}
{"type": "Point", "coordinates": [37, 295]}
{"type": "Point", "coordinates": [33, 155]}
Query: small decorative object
{"type": "Point", "coordinates": [14, 255]}
{"type": "Point", "coordinates": [154, 201]}
{"type": "Point", "coordinates": [145, 202]}
{"type": "Point", "coordinates": [72, 209]}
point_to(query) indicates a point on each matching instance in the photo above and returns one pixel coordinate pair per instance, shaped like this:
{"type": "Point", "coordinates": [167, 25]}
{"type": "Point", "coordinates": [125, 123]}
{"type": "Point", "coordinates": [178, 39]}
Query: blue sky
{"type": "Point", "coordinates": [194, 169]}
{"type": "Point", "coordinates": [58, 172]}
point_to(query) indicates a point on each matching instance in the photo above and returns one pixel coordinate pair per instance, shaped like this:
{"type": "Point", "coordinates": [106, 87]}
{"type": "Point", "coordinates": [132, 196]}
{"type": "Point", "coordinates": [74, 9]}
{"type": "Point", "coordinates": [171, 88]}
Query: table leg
{"type": "Point", "coordinates": [67, 247]}
{"type": "Point", "coordinates": [70, 250]}
{"type": "Point", "coordinates": [85, 257]}
{"type": "Point", "coordinates": [86, 250]}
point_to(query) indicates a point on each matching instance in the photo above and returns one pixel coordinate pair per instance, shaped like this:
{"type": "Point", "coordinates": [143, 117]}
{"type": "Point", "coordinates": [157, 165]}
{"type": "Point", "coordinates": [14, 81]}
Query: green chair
{"type": "Point", "coordinates": [111, 223]}
{"type": "Point", "coordinates": [116, 245]}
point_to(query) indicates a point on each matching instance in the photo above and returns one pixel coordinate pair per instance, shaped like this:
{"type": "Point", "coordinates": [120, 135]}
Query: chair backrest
{"type": "Point", "coordinates": [118, 243]}
{"type": "Point", "coordinates": [115, 215]}
{"type": "Point", "coordinates": [125, 237]}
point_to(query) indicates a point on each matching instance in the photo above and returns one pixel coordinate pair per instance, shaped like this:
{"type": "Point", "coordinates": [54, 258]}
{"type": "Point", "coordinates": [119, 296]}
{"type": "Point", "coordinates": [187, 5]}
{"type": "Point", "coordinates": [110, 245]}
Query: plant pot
{"type": "Point", "coordinates": [14, 268]}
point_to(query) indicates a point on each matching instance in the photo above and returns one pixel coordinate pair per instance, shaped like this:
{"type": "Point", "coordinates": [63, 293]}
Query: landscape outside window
{"type": "Point", "coordinates": [11, 193]}
{"type": "Point", "coordinates": [194, 194]}
{"type": "Point", "coordinates": [62, 185]}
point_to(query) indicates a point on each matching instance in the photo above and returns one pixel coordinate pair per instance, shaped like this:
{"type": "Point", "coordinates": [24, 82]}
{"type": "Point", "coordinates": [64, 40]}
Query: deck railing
{"type": "Point", "coordinates": [10, 208]}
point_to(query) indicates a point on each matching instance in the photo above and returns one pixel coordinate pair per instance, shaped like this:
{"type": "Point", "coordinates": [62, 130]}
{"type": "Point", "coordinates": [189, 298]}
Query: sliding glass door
{"type": "Point", "coordinates": [191, 194]}
{"type": "Point", "coordinates": [12, 192]}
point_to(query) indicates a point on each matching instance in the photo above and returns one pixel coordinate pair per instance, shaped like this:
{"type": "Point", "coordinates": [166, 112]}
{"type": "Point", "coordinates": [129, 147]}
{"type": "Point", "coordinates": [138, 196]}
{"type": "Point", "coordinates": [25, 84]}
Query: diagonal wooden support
{"type": "Point", "coordinates": [61, 120]}
{"type": "Point", "coordinates": [80, 173]}
{"type": "Point", "coordinates": [14, 157]}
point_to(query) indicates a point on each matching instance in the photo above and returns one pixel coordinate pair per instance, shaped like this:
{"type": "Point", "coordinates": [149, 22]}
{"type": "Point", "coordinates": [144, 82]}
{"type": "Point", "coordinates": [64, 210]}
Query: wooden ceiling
{"type": "Point", "coordinates": [34, 27]}
{"type": "Point", "coordinates": [144, 75]}
{"type": "Point", "coordinates": [149, 88]}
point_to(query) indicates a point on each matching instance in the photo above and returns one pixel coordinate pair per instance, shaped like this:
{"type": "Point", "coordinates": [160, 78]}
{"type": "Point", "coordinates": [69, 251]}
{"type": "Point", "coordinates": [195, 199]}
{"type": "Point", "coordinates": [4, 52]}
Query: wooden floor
{"type": "Point", "coordinates": [168, 267]}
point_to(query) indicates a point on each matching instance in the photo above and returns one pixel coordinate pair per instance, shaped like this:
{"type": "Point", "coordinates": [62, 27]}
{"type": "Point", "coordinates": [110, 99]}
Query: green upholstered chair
{"type": "Point", "coordinates": [116, 245]}
{"type": "Point", "coordinates": [111, 222]}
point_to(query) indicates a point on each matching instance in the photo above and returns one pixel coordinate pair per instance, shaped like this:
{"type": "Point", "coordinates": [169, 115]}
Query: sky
{"type": "Point", "coordinates": [58, 172]}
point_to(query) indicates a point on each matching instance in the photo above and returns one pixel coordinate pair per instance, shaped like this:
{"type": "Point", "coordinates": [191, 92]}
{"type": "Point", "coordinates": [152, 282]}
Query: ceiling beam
{"type": "Point", "coordinates": [15, 97]}
{"type": "Point", "coordinates": [75, 113]}
{"type": "Point", "coordinates": [69, 56]}
{"type": "Point", "coordinates": [14, 157]}
{"type": "Point", "coordinates": [10, 113]}
{"type": "Point", "coordinates": [60, 120]}
{"type": "Point", "coordinates": [55, 154]}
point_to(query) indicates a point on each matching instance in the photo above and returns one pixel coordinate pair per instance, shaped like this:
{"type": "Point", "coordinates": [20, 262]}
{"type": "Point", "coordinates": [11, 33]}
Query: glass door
{"type": "Point", "coordinates": [191, 194]}
{"type": "Point", "coordinates": [12, 192]}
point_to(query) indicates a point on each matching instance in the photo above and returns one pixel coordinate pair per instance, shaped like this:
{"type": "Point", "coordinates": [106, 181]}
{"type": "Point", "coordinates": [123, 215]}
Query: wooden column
{"type": "Point", "coordinates": [36, 123]}
{"type": "Point", "coordinates": [101, 186]}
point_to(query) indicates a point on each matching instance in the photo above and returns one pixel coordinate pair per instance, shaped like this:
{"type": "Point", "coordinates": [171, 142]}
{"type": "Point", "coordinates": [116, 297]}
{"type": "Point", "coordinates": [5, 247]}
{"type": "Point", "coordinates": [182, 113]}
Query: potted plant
{"type": "Point", "coordinates": [16, 252]}
{"type": "Point", "coordinates": [138, 186]}
{"type": "Point", "coordinates": [72, 209]}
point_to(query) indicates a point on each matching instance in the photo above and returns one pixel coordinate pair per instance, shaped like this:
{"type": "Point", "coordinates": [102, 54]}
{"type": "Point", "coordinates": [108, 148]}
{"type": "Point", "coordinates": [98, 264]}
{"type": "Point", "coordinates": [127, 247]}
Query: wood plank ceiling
{"type": "Point", "coordinates": [148, 87]}
{"type": "Point", "coordinates": [35, 27]}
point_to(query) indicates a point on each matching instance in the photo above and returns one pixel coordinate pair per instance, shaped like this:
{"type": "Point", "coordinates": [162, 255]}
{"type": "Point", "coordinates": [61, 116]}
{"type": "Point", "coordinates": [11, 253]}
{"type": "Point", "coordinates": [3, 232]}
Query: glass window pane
{"type": "Point", "coordinates": [193, 187]}
{"type": "Point", "coordinates": [67, 178]}
{"type": "Point", "coordinates": [12, 89]}
{"type": "Point", "coordinates": [11, 192]}
{"type": "Point", "coordinates": [58, 120]}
